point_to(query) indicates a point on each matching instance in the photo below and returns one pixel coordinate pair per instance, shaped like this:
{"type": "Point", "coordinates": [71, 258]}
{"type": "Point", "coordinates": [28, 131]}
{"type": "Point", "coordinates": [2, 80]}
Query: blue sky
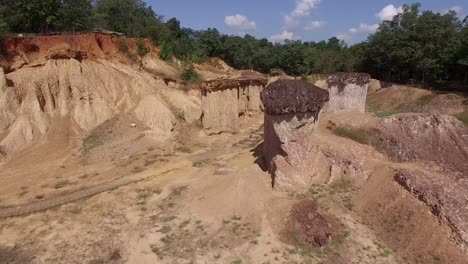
{"type": "Point", "coordinates": [350, 20]}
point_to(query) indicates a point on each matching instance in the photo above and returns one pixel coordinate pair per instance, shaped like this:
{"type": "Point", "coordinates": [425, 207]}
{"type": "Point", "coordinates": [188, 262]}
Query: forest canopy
{"type": "Point", "coordinates": [415, 46]}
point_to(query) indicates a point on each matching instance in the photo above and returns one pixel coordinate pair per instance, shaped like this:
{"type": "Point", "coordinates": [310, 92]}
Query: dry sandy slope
{"type": "Point", "coordinates": [215, 205]}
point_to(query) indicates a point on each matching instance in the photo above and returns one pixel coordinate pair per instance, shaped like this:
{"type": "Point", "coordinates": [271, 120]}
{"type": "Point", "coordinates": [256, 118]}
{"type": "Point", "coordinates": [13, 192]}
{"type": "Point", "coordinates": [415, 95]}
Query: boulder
{"type": "Point", "coordinates": [292, 110]}
{"type": "Point", "coordinates": [348, 91]}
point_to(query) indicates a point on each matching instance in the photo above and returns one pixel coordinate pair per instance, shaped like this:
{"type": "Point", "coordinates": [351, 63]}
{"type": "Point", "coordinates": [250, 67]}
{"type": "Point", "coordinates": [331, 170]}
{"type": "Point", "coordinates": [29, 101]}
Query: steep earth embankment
{"type": "Point", "coordinates": [87, 79]}
{"type": "Point", "coordinates": [33, 51]}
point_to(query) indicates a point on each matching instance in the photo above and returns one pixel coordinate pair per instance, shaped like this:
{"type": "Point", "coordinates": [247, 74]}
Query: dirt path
{"type": "Point", "coordinates": [249, 138]}
{"type": "Point", "coordinates": [49, 203]}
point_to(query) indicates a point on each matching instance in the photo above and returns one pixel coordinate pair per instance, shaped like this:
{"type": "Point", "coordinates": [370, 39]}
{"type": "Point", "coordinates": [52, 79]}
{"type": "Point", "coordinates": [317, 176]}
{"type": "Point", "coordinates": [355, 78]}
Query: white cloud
{"type": "Point", "coordinates": [292, 21]}
{"type": "Point", "coordinates": [240, 23]}
{"type": "Point", "coordinates": [303, 7]}
{"type": "Point", "coordinates": [388, 12]}
{"type": "Point", "coordinates": [362, 29]}
{"type": "Point", "coordinates": [283, 36]}
{"type": "Point", "coordinates": [344, 36]}
{"type": "Point", "coordinates": [457, 9]}
{"type": "Point", "coordinates": [314, 25]}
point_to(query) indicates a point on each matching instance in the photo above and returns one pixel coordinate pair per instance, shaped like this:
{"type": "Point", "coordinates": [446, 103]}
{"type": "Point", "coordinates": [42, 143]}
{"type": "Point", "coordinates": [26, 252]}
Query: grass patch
{"type": "Point", "coordinates": [425, 100]}
{"type": "Point", "coordinates": [355, 134]}
{"type": "Point", "coordinates": [90, 142]}
{"type": "Point", "coordinates": [463, 117]}
{"type": "Point", "coordinates": [183, 150]}
{"type": "Point", "coordinates": [382, 114]}
{"type": "Point", "coordinates": [294, 237]}
{"type": "Point", "coordinates": [61, 184]}
{"type": "Point", "coordinates": [373, 138]}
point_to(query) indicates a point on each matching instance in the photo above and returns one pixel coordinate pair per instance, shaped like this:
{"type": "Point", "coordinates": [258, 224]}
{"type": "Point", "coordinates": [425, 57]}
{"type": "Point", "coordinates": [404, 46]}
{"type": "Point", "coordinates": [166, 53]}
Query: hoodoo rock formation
{"type": "Point", "coordinates": [292, 110]}
{"type": "Point", "coordinates": [225, 99]}
{"type": "Point", "coordinates": [348, 91]}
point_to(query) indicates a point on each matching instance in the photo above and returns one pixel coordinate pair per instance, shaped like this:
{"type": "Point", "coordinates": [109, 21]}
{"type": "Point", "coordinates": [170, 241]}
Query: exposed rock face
{"type": "Point", "coordinates": [6, 105]}
{"type": "Point", "coordinates": [374, 86]}
{"type": "Point", "coordinates": [438, 138]}
{"type": "Point", "coordinates": [88, 93]}
{"type": "Point", "coordinates": [291, 119]}
{"type": "Point", "coordinates": [254, 102]}
{"type": "Point", "coordinates": [225, 99]}
{"type": "Point", "coordinates": [3, 154]}
{"type": "Point", "coordinates": [348, 91]}
{"type": "Point", "coordinates": [36, 51]}
{"type": "Point", "coordinates": [220, 111]}
{"type": "Point", "coordinates": [445, 195]}
{"type": "Point", "coordinates": [185, 106]}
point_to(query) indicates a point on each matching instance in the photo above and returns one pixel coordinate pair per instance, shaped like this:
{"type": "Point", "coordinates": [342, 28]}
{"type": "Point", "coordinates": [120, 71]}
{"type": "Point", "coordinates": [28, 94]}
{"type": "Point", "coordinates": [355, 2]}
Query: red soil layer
{"type": "Point", "coordinates": [88, 46]}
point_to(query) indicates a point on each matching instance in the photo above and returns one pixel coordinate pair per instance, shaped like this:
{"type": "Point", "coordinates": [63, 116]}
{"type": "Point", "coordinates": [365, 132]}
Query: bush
{"type": "Point", "coordinates": [166, 51]}
{"type": "Point", "coordinates": [188, 72]}
{"type": "Point", "coordinates": [142, 50]}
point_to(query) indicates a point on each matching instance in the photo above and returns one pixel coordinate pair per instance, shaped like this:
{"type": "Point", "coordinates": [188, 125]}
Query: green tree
{"type": "Point", "coordinates": [75, 15]}
{"type": "Point", "coordinates": [30, 15]}
{"type": "Point", "coordinates": [131, 17]}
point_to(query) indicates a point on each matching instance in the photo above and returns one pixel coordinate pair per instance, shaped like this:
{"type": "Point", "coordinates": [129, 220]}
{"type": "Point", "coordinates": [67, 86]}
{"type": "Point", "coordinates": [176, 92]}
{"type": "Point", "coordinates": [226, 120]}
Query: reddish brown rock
{"type": "Point", "coordinates": [348, 91]}
{"type": "Point", "coordinates": [291, 119]}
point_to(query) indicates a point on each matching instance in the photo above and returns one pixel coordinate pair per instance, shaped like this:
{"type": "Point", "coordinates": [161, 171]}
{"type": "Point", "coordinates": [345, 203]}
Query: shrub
{"type": "Point", "coordinates": [142, 50]}
{"type": "Point", "coordinates": [166, 51]}
{"type": "Point", "coordinates": [188, 72]}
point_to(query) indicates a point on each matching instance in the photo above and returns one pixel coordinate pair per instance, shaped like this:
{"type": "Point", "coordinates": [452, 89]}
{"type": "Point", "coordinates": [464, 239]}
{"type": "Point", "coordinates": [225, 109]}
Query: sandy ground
{"type": "Point", "coordinates": [213, 205]}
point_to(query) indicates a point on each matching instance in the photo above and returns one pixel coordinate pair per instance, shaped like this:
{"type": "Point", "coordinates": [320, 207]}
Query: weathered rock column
{"type": "Point", "coordinates": [292, 110]}
{"type": "Point", "coordinates": [220, 111]}
{"type": "Point", "coordinates": [225, 99]}
{"type": "Point", "coordinates": [348, 91]}
{"type": "Point", "coordinates": [254, 103]}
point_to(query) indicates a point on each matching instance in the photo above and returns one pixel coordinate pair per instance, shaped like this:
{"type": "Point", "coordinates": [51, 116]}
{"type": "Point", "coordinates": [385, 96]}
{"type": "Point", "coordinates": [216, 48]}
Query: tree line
{"type": "Point", "coordinates": [421, 47]}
